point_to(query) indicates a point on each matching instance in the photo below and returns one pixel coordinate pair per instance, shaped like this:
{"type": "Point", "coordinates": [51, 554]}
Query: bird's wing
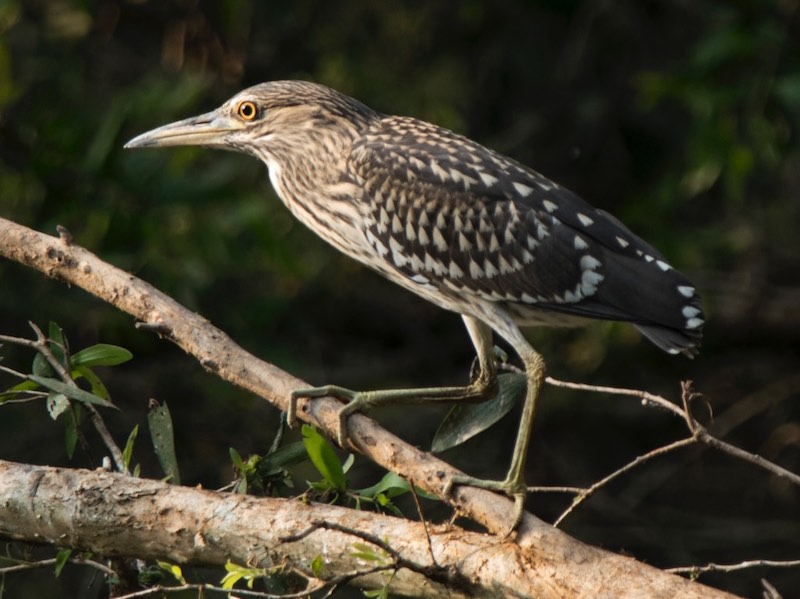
{"type": "Point", "coordinates": [445, 211]}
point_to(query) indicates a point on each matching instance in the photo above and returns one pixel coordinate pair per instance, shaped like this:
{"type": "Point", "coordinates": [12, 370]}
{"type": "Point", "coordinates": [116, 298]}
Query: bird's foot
{"type": "Point", "coordinates": [515, 488]}
{"type": "Point", "coordinates": [356, 401]}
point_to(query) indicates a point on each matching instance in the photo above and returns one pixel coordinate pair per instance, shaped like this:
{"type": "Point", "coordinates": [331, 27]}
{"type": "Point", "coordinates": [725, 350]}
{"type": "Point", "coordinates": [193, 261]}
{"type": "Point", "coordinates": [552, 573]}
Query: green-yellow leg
{"type": "Point", "coordinates": [514, 484]}
{"type": "Point", "coordinates": [482, 388]}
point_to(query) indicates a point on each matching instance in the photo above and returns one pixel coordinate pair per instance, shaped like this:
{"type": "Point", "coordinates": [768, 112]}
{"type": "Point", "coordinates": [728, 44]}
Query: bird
{"type": "Point", "coordinates": [463, 226]}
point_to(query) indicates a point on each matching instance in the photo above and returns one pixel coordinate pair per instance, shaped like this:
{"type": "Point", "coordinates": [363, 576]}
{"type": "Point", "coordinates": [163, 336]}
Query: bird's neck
{"type": "Point", "coordinates": [313, 189]}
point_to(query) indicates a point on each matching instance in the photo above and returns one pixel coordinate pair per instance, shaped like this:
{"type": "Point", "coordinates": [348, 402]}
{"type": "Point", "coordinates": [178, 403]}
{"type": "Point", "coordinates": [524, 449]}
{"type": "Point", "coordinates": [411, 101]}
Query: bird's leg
{"type": "Point", "coordinates": [514, 484]}
{"type": "Point", "coordinates": [482, 387]}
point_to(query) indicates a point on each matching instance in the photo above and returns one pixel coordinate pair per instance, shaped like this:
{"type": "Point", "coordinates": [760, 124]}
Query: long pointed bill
{"type": "Point", "coordinates": [210, 129]}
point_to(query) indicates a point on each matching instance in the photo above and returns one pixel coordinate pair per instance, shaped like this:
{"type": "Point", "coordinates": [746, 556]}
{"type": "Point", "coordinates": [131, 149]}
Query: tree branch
{"type": "Point", "coordinates": [112, 514]}
{"type": "Point", "coordinates": [549, 560]}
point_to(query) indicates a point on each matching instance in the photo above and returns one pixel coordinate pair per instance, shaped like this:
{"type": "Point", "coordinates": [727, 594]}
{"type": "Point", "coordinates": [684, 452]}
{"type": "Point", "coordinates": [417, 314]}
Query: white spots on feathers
{"type": "Point", "coordinates": [397, 226]}
{"type": "Point", "coordinates": [421, 279]}
{"type": "Point", "coordinates": [411, 233]}
{"type": "Point", "coordinates": [585, 220]}
{"type": "Point", "coordinates": [589, 278]}
{"type": "Point", "coordinates": [589, 262]}
{"type": "Point", "coordinates": [691, 314]}
{"type": "Point", "coordinates": [475, 271]}
{"type": "Point", "coordinates": [522, 189]}
{"type": "Point", "coordinates": [383, 221]}
{"type": "Point", "coordinates": [690, 311]}
{"type": "Point", "coordinates": [488, 179]}
{"type": "Point", "coordinates": [694, 323]}
{"type": "Point", "coordinates": [663, 265]}
{"type": "Point", "coordinates": [463, 243]}
{"type": "Point", "coordinates": [590, 281]}
{"type": "Point", "coordinates": [622, 242]}
{"type": "Point", "coordinates": [580, 243]}
{"type": "Point", "coordinates": [438, 170]}
{"type": "Point", "coordinates": [423, 236]}
{"type": "Point", "coordinates": [549, 205]}
{"type": "Point", "coordinates": [377, 244]}
{"type": "Point", "coordinates": [503, 265]}
{"type": "Point", "coordinates": [438, 240]}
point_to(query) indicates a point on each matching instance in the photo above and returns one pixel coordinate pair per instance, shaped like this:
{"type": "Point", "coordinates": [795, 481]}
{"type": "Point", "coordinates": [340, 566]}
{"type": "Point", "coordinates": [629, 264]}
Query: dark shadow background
{"type": "Point", "coordinates": [679, 117]}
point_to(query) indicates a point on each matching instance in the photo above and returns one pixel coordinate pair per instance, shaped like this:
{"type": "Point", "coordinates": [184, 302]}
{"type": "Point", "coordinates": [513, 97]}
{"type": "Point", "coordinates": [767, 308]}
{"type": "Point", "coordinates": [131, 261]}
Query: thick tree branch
{"type": "Point", "coordinates": [116, 515]}
{"type": "Point", "coordinates": [555, 560]}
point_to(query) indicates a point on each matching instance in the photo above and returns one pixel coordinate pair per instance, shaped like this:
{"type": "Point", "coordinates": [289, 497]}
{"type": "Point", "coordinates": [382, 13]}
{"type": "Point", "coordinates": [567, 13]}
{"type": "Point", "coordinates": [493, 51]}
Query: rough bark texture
{"type": "Point", "coordinates": [552, 563]}
{"type": "Point", "coordinates": [116, 515]}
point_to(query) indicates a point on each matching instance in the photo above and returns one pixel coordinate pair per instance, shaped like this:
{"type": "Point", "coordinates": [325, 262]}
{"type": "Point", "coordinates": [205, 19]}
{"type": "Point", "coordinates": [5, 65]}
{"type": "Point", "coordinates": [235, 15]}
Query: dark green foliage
{"type": "Point", "coordinates": [682, 119]}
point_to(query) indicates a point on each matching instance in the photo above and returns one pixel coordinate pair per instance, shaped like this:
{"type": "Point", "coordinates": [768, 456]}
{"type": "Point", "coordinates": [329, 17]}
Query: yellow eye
{"type": "Point", "coordinates": [247, 111]}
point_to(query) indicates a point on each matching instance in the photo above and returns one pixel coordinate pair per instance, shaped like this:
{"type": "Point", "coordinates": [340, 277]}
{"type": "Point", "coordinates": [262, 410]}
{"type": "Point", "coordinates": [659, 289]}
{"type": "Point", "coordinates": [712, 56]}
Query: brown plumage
{"type": "Point", "coordinates": [464, 227]}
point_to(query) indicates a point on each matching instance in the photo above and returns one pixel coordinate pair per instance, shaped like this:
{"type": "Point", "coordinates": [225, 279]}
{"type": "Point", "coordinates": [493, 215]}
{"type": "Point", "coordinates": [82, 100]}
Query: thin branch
{"type": "Point", "coordinates": [201, 587]}
{"type": "Point", "coordinates": [756, 563]}
{"type": "Point", "coordinates": [568, 490]}
{"type": "Point", "coordinates": [435, 572]}
{"type": "Point", "coordinates": [589, 491]}
{"type": "Point", "coordinates": [647, 398]}
{"type": "Point", "coordinates": [422, 518]}
{"type": "Point", "coordinates": [52, 562]}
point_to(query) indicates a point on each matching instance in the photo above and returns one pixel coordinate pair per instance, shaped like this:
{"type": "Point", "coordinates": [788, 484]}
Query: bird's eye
{"type": "Point", "coordinates": [247, 110]}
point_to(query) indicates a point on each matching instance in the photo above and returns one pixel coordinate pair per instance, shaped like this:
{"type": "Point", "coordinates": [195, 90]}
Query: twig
{"type": "Point", "coordinates": [571, 490]}
{"type": "Point", "coordinates": [52, 562]}
{"type": "Point", "coordinates": [201, 587]}
{"type": "Point", "coordinates": [422, 519]}
{"type": "Point", "coordinates": [755, 563]}
{"type": "Point", "coordinates": [589, 491]}
{"type": "Point", "coordinates": [433, 572]}
{"type": "Point", "coordinates": [647, 398]}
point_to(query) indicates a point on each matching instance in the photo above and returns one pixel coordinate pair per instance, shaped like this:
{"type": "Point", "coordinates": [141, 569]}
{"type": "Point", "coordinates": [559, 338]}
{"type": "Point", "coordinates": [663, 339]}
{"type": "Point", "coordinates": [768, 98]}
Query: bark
{"type": "Point", "coordinates": [542, 560]}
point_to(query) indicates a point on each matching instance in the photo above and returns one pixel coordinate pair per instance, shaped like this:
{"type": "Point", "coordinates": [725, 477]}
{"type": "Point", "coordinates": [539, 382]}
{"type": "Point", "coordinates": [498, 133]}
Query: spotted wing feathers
{"type": "Point", "coordinates": [451, 214]}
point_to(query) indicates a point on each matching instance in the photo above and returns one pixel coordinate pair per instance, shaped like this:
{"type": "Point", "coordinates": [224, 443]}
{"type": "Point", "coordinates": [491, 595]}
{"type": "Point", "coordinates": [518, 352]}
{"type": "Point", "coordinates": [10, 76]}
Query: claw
{"type": "Point", "coordinates": [514, 489]}
{"type": "Point", "coordinates": [350, 397]}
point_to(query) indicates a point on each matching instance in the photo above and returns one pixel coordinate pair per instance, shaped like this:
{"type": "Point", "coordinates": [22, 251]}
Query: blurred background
{"type": "Point", "coordinates": [680, 117]}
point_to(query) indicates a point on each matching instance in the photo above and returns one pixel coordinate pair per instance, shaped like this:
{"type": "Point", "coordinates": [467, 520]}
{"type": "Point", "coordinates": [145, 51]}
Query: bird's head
{"type": "Point", "coordinates": [265, 120]}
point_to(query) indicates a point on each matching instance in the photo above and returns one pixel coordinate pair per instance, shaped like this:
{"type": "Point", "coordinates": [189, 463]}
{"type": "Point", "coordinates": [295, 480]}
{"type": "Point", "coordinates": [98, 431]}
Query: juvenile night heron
{"type": "Point", "coordinates": [462, 226]}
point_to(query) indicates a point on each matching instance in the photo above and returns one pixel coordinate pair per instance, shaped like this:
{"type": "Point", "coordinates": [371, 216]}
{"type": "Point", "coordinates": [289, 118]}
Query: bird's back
{"type": "Point", "coordinates": [447, 214]}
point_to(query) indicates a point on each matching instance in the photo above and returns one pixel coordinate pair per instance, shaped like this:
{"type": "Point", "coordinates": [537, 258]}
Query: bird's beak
{"type": "Point", "coordinates": [210, 129]}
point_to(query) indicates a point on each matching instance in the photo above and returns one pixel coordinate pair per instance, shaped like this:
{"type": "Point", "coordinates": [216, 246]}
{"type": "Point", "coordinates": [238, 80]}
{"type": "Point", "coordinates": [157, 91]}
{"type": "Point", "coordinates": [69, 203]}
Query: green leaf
{"type": "Point", "coordinates": [58, 342]}
{"type": "Point", "coordinates": [41, 367]}
{"type": "Point", "coordinates": [70, 391]}
{"type": "Point", "coordinates": [323, 457]}
{"type": "Point", "coordinates": [237, 459]}
{"type": "Point", "coordinates": [57, 404]}
{"type": "Point", "coordinates": [467, 420]}
{"type": "Point", "coordinates": [161, 432]}
{"type": "Point", "coordinates": [173, 569]}
{"type": "Point", "coordinates": [282, 458]}
{"type": "Point", "coordinates": [11, 392]}
{"type": "Point", "coordinates": [236, 572]}
{"type": "Point", "coordinates": [61, 560]}
{"type": "Point", "coordinates": [98, 388]}
{"type": "Point", "coordinates": [127, 453]}
{"type": "Point", "coordinates": [316, 566]}
{"type": "Point", "coordinates": [101, 354]}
